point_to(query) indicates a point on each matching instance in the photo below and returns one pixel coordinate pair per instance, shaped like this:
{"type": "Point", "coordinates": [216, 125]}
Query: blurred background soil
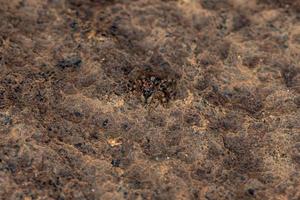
{"type": "Point", "coordinates": [149, 99]}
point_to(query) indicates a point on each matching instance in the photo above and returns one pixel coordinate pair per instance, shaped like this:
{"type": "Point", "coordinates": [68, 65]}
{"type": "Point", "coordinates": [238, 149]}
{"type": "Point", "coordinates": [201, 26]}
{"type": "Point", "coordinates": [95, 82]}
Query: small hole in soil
{"type": "Point", "coordinates": [116, 162]}
{"type": "Point", "coordinates": [251, 192]}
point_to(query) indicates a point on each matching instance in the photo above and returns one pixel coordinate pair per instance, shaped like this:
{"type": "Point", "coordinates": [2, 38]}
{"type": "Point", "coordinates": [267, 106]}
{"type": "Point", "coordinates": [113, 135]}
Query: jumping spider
{"type": "Point", "coordinates": [154, 88]}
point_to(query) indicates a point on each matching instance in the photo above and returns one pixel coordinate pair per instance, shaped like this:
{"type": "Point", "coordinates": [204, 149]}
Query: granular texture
{"type": "Point", "coordinates": [149, 99]}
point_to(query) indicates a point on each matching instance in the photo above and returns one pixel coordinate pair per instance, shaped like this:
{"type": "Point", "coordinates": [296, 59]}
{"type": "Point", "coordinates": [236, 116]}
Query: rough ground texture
{"type": "Point", "coordinates": [149, 99]}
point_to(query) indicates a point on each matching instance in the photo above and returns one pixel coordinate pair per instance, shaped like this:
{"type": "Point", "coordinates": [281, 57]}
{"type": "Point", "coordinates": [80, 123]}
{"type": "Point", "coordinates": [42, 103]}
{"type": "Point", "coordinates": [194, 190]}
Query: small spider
{"type": "Point", "coordinates": [154, 88]}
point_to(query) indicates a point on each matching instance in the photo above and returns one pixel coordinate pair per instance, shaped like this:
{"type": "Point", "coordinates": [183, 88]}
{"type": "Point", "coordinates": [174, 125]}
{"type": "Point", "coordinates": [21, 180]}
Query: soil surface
{"type": "Point", "coordinates": [150, 99]}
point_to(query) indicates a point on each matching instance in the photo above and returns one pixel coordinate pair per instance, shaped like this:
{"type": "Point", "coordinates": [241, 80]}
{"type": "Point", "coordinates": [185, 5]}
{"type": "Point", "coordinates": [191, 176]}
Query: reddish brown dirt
{"type": "Point", "coordinates": [149, 99]}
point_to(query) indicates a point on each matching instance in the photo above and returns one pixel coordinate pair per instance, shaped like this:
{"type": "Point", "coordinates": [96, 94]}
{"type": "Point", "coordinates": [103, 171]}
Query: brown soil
{"type": "Point", "coordinates": [150, 99]}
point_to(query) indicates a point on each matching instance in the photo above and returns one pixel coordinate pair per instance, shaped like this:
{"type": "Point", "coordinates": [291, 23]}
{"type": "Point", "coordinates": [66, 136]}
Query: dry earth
{"type": "Point", "coordinates": [150, 99]}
